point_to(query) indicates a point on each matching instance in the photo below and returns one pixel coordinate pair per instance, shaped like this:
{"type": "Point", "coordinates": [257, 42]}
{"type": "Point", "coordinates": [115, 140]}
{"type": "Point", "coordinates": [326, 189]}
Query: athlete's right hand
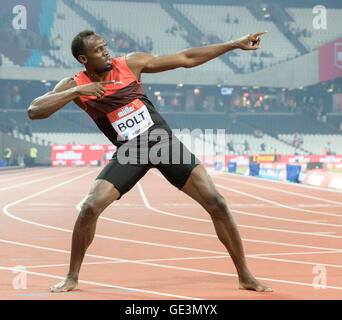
{"type": "Point", "coordinates": [93, 89]}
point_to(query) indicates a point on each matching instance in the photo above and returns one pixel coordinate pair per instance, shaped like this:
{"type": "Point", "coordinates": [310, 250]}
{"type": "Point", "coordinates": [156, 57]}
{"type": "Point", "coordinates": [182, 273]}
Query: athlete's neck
{"type": "Point", "coordinates": [97, 77]}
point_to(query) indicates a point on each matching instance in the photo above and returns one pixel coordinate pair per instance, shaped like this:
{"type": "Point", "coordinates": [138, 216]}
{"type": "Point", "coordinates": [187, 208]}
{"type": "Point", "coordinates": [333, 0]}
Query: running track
{"type": "Point", "coordinates": [156, 243]}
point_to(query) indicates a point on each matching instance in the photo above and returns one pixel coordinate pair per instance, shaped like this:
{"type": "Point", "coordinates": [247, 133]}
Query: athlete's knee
{"type": "Point", "coordinates": [89, 211]}
{"type": "Point", "coordinates": [217, 207]}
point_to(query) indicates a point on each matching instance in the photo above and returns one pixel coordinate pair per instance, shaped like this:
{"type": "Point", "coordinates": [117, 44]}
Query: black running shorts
{"type": "Point", "coordinates": [128, 164]}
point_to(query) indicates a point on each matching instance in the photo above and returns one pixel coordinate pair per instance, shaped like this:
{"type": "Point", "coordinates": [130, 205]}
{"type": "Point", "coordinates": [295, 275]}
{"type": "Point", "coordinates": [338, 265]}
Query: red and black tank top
{"type": "Point", "coordinates": [124, 112]}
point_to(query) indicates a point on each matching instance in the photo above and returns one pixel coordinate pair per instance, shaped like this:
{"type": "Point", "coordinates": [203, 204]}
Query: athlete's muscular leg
{"type": "Point", "coordinates": [101, 195]}
{"type": "Point", "coordinates": [201, 188]}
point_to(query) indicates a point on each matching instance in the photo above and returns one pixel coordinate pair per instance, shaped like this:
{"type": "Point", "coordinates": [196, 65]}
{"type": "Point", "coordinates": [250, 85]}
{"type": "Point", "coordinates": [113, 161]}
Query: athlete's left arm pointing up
{"type": "Point", "coordinates": [140, 62]}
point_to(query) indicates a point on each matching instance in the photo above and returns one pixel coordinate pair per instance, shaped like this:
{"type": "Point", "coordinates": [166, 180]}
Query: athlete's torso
{"type": "Point", "coordinates": [124, 111]}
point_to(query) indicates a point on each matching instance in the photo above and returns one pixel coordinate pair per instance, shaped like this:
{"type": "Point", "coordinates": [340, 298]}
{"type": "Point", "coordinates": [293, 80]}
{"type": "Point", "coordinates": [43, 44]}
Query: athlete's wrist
{"type": "Point", "coordinates": [75, 92]}
{"type": "Point", "coordinates": [233, 44]}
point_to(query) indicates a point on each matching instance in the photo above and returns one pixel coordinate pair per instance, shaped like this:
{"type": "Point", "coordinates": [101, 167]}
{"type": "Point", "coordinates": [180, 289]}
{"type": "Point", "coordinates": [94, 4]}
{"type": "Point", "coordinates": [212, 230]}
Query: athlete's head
{"type": "Point", "coordinates": [90, 49]}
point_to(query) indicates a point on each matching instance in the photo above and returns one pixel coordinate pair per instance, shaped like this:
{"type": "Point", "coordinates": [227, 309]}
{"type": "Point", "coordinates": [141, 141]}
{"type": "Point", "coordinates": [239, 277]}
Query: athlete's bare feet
{"type": "Point", "coordinates": [251, 283]}
{"type": "Point", "coordinates": [67, 284]}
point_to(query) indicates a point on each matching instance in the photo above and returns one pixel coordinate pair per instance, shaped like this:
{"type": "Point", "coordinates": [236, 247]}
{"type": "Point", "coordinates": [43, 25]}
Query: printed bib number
{"type": "Point", "coordinates": [131, 120]}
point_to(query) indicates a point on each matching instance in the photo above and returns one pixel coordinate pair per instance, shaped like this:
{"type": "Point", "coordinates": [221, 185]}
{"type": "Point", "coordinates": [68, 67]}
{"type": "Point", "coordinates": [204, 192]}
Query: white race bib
{"type": "Point", "coordinates": [131, 120]}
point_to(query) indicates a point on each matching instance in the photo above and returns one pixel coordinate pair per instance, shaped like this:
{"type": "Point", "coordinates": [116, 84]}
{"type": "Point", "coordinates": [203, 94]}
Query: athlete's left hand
{"type": "Point", "coordinates": [250, 41]}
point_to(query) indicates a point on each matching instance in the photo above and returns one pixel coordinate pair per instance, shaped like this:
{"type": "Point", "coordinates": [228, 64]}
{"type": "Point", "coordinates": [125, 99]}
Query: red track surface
{"type": "Point", "coordinates": [157, 243]}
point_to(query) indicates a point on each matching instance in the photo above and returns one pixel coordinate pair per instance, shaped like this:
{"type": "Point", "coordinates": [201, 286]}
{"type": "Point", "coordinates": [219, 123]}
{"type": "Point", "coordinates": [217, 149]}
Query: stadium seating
{"type": "Point", "coordinates": [214, 144]}
{"type": "Point", "coordinates": [116, 15]}
{"type": "Point", "coordinates": [317, 143]}
{"type": "Point", "coordinates": [303, 19]}
{"type": "Point", "coordinates": [205, 120]}
{"type": "Point", "coordinates": [67, 28]}
{"type": "Point", "coordinates": [6, 62]}
{"type": "Point", "coordinates": [38, 59]}
{"type": "Point", "coordinates": [74, 126]}
{"type": "Point", "coordinates": [72, 138]}
{"type": "Point", "coordinates": [210, 19]}
{"type": "Point", "coordinates": [286, 124]}
{"type": "Point", "coordinates": [57, 18]}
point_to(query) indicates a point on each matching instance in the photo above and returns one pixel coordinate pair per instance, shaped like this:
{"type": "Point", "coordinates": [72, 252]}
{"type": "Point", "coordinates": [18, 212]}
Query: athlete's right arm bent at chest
{"type": "Point", "coordinates": [64, 92]}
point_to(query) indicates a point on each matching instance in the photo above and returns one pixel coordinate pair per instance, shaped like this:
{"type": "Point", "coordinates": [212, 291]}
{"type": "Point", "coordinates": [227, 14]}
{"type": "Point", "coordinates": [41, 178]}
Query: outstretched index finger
{"type": "Point", "coordinates": [260, 33]}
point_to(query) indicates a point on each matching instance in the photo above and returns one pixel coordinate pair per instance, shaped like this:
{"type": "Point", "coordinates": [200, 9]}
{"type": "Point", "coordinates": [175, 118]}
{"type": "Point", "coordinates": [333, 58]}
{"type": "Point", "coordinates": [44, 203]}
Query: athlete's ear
{"type": "Point", "coordinates": [82, 58]}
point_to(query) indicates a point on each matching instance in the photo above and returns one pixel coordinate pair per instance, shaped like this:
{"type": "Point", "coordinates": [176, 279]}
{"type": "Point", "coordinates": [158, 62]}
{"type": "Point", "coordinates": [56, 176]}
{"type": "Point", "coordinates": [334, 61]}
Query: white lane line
{"type": "Point", "coordinates": [291, 184]}
{"type": "Point", "coordinates": [78, 206]}
{"type": "Point", "coordinates": [117, 262]}
{"type": "Point", "coordinates": [302, 262]}
{"type": "Point", "coordinates": [317, 234]}
{"type": "Point", "coordinates": [279, 190]}
{"type": "Point", "coordinates": [277, 203]}
{"type": "Point", "coordinates": [104, 285]}
{"type": "Point", "coordinates": [158, 228]}
{"type": "Point", "coordinates": [22, 175]}
{"type": "Point", "coordinates": [295, 253]}
{"type": "Point", "coordinates": [5, 210]}
{"type": "Point", "coordinates": [37, 180]}
{"type": "Point", "coordinates": [185, 269]}
{"type": "Point", "coordinates": [287, 219]}
{"type": "Point", "coordinates": [263, 255]}
{"type": "Point", "coordinates": [213, 235]}
{"type": "Point", "coordinates": [272, 217]}
{"type": "Point", "coordinates": [160, 265]}
{"type": "Point", "coordinates": [163, 212]}
{"type": "Point", "coordinates": [240, 225]}
{"type": "Point", "coordinates": [251, 256]}
{"type": "Point", "coordinates": [166, 212]}
{"type": "Point", "coordinates": [171, 267]}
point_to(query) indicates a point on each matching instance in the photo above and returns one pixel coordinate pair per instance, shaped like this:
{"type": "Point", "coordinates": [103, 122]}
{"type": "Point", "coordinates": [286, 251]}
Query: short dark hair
{"type": "Point", "coordinates": [77, 44]}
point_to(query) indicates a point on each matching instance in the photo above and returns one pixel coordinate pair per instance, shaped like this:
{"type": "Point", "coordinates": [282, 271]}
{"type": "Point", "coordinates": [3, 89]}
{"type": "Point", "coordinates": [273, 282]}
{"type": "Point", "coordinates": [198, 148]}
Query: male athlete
{"type": "Point", "coordinates": [110, 91]}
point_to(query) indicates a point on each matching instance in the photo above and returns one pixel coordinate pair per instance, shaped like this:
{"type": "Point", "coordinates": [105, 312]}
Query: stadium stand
{"type": "Point", "coordinates": [29, 48]}
{"type": "Point", "coordinates": [66, 24]}
{"type": "Point", "coordinates": [311, 37]}
{"type": "Point", "coordinates": [241, 23]}
{"type": "Point", "coordinates": [317, 143]}
{"type": "Point", "coordinates": [60, 20]}
{"type": "Point", "coordinates": [282, 124]}
{"type": "Point", "coordinates": [6, 62]}
{"type": "Point", "coordinates": [115, 16]}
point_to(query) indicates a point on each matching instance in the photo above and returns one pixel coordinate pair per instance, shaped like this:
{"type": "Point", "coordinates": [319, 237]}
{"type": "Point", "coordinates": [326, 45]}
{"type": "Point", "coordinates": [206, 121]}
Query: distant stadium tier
{"type": "Point", "coordinates": [282, 62]}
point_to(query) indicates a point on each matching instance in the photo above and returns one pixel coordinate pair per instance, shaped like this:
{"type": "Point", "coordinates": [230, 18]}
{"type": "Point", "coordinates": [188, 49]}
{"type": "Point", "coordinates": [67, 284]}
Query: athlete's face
{"type": "Point", "coordinates": [96, 54]}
